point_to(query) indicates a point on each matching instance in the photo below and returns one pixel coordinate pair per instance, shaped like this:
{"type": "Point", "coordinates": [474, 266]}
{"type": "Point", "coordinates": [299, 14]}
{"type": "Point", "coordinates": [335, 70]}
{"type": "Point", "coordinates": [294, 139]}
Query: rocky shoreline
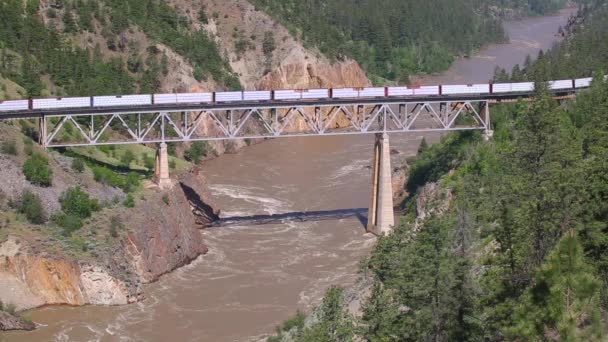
{"type": "Point", "coordinates": [163, 234]}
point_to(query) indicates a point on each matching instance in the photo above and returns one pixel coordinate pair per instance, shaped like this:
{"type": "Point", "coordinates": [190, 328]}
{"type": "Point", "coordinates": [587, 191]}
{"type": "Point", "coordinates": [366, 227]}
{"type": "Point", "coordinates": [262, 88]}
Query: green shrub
{"type": "Point", "coordinates": [172, 164]}
{"type": "Point", "coordinates": [115, 226]}
{"type": "Point", "coordinates": [106, 176]}
{"type": "Point", "coordinates": [68, 223]}
{"type": "Point", "coordinates": [28, 146]}
{"type": "Point", "coordinates": [296, 321]}
{"type": "Point", "coordinates": [10, 308]}
{"type": "Point", "coordinates": [9, 147]}
{"type": "Point", "coordinates": [129, 202]}
{"type": "Point", "coordinates": [76, 202]}
{"type": "Point", "coordinates": [77, 165]}
{"type": "Point", "coordinates": [37, 171]}
{"type": "Point", "coordinates": [131, 182]}
{"type": "Point", "coordinates": [197, 151]}
{"type": "Point", "coordinates": [31, 206]}
{"type": "Point", "coordinates": [166, 199]}
{"type": "Point", "coordinates": [127, 158]}
{"type": "Point", "coordinates": [78, 243]}
{"type": "Point", "coordinates": [148, 161]}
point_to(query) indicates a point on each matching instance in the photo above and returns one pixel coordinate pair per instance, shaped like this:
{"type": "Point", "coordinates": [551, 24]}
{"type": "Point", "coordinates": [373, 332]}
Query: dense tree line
{"type": "Point", "coordinates": [580, 54]}
{"type": "Point", "coordinates": [394, 39]}
{"type": "Point", "coordinates": [390, 38]}
{"type": "Point", "coordinates": [30, 49]}
{"type": "Point", "coordinates": [162, 23]}
{"type": "Point", "coordinates": [538, 7]}
{"type": "Point", "coordinates": [520, 252]}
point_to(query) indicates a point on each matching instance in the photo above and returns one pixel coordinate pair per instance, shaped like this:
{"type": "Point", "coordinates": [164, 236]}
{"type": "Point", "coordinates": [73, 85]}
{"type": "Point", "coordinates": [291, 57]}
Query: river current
{"type": "Point", "coordinates": [255, 277]}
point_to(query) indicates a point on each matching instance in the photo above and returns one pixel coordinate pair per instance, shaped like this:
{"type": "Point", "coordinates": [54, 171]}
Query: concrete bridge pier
{"type": "Point", "coordinates": [381, 219]}
{"type": "Point", "coordinates": [42, 131]}
{"type": "Point", "coordinates": [487, 132]}
{"type": "Point", "coordinates": [161, 168]}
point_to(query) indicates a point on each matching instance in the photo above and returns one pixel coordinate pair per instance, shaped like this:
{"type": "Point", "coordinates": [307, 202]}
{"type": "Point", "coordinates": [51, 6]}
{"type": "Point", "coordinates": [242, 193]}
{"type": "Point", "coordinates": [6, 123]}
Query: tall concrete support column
{"type": "Point", "coordinates": [42, 131]}
{"type": "Point", "coordinates": [381, 219]}
{"type": "Point", "coordinates": [161, 167]}
{"type": "Point", "coordinates": [488, 132]}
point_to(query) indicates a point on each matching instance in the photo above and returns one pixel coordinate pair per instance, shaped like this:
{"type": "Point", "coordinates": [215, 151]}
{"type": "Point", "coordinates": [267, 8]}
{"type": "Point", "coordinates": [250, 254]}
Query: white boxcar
{"type": "Point", "coordinates": [287, 95]}
{"type": "Point", "coordinates": [561, 84]}
{"type": "Point", "coordinates": [400, 91]}
{"type": "Point", "coordinates": [263, 95]}
{"type": "Point", "coordinates": [229, 96]}
{"type": "Point", "coordinates": [183, 98]}
{"type": "Point", "coordinates": [502, 87]}
{"type": "Point", "coordinates": [583, 82]}
{"type": "Point", "coordinates": [522, 86]}
{"type": "Point", "coordinates": [66, 102]}
{"type": "Point", "coordinates": [426, 90]}
{"type": "Point", "coordinates": [345, 93]}
{"type": "Point", "coordinates": [372, 92]}
{"type": "Point", "coordinates": [466, 89]}
{"type": "Point", "coordinates": [125, 100]}
{"type": "Point", "coordinates": [7, 106]}
{"type": "Point", "coordinates": [314, 94]}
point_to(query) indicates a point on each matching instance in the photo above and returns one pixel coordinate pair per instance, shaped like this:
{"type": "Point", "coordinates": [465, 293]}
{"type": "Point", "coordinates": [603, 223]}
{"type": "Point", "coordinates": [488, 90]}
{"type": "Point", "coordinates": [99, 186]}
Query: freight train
{"type": "Point", "coordinates": [490, 89]}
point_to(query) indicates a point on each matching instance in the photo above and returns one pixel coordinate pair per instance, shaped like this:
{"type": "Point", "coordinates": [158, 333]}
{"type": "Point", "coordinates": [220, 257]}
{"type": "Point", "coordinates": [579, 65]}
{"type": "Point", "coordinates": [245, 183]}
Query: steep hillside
{"type": "Point", "coordinates": [76, 231]}
{"type": "Point", "coordinates": [503, 240]}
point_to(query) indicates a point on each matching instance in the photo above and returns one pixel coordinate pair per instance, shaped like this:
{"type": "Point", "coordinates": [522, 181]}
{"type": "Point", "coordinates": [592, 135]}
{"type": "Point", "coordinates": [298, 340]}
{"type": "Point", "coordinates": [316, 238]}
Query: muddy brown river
{"type": "Point", "coordinates": [255, 277]}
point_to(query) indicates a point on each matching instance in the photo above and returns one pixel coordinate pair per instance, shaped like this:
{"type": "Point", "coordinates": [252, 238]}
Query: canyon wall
{"type": "Point", "coordinates": [163, 234]}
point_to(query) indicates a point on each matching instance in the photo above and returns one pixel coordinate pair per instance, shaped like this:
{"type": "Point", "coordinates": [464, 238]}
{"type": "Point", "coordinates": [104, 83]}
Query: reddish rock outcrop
{"type": "Point", "coordinates": [163, 234]}
{"type": "Point", "coordinates": [304, 75]}
{"type": "Point", "coordinates": [166, 235]}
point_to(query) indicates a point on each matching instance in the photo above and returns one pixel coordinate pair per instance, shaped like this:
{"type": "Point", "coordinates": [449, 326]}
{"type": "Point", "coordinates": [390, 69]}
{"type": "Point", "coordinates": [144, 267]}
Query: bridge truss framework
{"type": "Point", "coordinates": [260, 121]}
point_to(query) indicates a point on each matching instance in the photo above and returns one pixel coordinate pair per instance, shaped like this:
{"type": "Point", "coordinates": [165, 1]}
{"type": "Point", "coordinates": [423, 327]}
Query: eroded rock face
{"type": "Point", "coordinates": [304, 75]}
{"type": "Point", "coordinates": [169, 237]}
{"type": "Point", "coordinates": [102, 289]}
{"type": "Point", "coordinates": [45, 281]}
{"type": "Point", "coordinates": [163, 234]}
{"type": "Point", "coordinates": [432, 199]}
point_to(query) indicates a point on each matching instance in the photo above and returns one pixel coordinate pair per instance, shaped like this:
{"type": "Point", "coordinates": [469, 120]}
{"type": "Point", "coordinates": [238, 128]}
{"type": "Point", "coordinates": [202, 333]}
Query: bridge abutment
{"type": "Point", "coordinates": [161, 167]}
{"type": "Point", "coordinates": [380, 218]}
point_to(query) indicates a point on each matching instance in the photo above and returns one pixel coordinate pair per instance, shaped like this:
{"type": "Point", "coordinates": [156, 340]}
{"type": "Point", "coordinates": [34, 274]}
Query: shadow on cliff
{"type": "Point", "coordinates": [300, 216]}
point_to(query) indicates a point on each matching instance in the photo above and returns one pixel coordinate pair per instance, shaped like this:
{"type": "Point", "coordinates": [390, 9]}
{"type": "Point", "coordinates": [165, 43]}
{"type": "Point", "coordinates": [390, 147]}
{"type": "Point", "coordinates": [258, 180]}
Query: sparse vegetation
{"type": "Point", "coordinates": [78, 165]}
{"type": "Point", "coordinates": [129, 201]}
{"type": "Point", "coordinates": [115, 226]}
{"type": "Point", "coordinates": [8, 147]}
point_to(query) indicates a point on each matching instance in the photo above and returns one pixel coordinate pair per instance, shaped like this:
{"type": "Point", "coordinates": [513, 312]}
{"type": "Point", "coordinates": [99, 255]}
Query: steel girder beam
{"type": "Point", "coordinates": [260, 123]}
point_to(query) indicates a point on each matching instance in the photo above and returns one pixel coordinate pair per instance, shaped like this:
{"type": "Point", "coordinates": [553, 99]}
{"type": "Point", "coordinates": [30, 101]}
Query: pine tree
{"type": "Point", "coordinates": [380, 319]}
{"type": "Point", "coordinates": [423, 146]}
{"type": "Point", "coordinates": [564, 300]}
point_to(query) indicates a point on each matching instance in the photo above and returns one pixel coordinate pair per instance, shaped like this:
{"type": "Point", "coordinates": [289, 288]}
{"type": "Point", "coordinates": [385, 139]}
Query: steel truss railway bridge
{"type": "Point", "coordinates": [165, 123]}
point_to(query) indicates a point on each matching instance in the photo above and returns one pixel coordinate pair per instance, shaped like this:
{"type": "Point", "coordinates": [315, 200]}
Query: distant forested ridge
{"type": "Point", "coordinates": [538, 7]}
{"type": "Point", "coordinates": [580, 54]}
{"type": "Point", "coordinates": [39, 46]}
{"type": "Point", "coordinates": [514, 243]}
{"type": "Point", "coordinates": [390, 38]}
